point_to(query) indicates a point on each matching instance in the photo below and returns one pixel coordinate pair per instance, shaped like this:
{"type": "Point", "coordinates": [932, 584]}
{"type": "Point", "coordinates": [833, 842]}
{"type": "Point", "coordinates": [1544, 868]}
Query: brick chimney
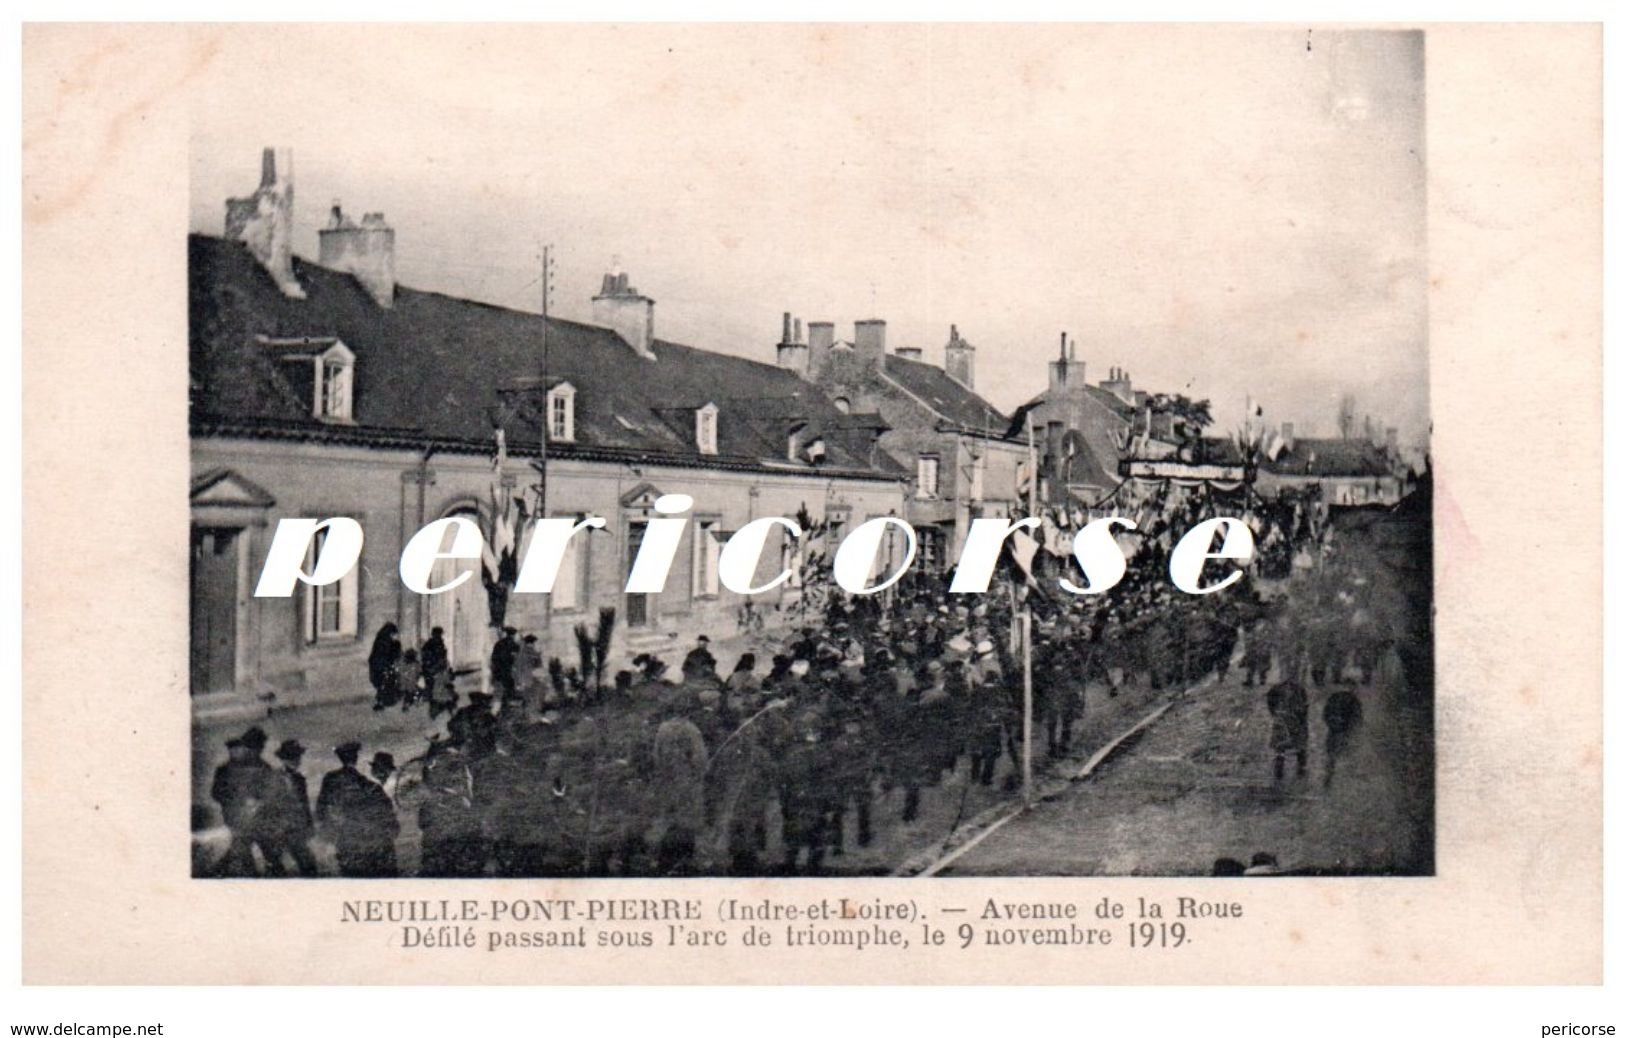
{"type": "Point", "coordinates": [869, 342]}
{"type": "Point", "coordinates": [627, 312]}
{"type": "Point", "coordinates": [1286, 436]}
{"type": "Point", "coordinates": [1390, 439]}
{"type": "Point", "coordinates": [820, 340]}
{"type": "Point", "coordinates": [365, 251]}
{"type": "Point", "coordinates": [959, 359]}
{"type": "Point", "coordinates": [910, 352]}
{"type": "Point", "coordinates": [264, 220]}
{"type": "Point", "coordinates": [792, 352]}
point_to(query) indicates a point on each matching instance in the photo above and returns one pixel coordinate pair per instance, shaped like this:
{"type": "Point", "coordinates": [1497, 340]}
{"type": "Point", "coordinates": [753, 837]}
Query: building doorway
{"type": "Point", "coordinates": [463, 612]}
{"type": "Point", "coordinates": [637, 604]}
{"type": "Point", "coordinates": [215, 572]}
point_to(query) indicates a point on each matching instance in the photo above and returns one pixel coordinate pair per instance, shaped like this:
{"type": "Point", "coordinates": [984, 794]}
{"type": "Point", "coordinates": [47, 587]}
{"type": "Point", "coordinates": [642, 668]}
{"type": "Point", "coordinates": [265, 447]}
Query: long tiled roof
{"type": "Point", "coordinates": [945, 396]}
{"type": "Point", "coordinates": [1330, 457]}
{"type": "Point", "coordinates": [438, 368]}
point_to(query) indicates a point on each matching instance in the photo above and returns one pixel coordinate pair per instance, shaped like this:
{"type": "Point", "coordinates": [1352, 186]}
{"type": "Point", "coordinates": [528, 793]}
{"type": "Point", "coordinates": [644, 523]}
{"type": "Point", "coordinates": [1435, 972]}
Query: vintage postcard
{"type": "Point", "coordinates": [832, 503]}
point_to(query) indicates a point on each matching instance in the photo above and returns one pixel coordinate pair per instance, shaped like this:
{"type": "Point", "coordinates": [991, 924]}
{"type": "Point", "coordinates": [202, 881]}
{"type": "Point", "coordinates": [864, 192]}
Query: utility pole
{"type": "Point", "coordinates": [1027, 633]}
{"type": "Point", "coordinates": [547, 429]}
{"type": "Point", "coordinates": [547, 403]}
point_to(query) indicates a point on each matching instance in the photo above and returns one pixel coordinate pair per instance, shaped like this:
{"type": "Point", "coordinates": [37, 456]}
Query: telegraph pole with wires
{"type": "Point", "coordinates": [1027, 633]}
{"type": "Point", "coordinates": [547, 429]}
{"type": "Point", "coordinates": [547, 401]}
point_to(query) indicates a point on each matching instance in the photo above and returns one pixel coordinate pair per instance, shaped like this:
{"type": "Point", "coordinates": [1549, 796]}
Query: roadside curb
{"type": "Point", "coordinates": [995, 818]}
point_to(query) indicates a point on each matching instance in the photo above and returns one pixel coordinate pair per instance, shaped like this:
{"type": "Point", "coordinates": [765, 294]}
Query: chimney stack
{"type": "Point", "coordinates": [792, 353]}
{"type": "Point", "coordinates": [1119, 385]}
{"type": "Point", "coordinates": [820, 340]}
{"type": "Point", "coordinates": [1066, 373]}
{"type": "Point", "coordinates": [869, 342]}
{"type": "Point", "coordinates": [959, 359]}
{"type": "Point", "coordinates": [366, 252]}
{"type": "Point", "coordinates": [1391, 439]}
{"type": "Point", "coordinates": [910, 352]}
{"type": "Point", "coordinates": [1286, 435]}
{"type": "Point", "coordinates": [630, 314]}
{"type": "Point", "coordinates": [264, 220]}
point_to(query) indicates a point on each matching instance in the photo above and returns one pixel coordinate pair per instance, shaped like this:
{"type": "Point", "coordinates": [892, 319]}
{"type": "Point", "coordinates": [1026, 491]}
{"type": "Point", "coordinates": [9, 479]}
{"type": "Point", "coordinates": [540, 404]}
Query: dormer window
{"type": "Point", "coordinates": [705, 429]}
{"type": "Point", "coordinates": [319, 370]}
{"type": "Point", "coordinates": [335, 389]}
{"type": "Point", "coordinates": [561, 413]}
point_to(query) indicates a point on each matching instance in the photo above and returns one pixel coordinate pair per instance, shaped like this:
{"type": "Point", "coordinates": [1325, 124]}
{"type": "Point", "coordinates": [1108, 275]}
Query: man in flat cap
{"type": "Point", "coordinates": [288, 822]}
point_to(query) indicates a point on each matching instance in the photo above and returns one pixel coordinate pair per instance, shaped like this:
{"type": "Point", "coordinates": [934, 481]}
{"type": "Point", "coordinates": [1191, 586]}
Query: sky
{"type": "Point", "coordinates": [1232, 213]}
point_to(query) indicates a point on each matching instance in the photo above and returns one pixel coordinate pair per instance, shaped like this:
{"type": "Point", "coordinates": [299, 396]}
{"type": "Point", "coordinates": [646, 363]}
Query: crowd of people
{"type": "Point", "coordinates": [759, 767]}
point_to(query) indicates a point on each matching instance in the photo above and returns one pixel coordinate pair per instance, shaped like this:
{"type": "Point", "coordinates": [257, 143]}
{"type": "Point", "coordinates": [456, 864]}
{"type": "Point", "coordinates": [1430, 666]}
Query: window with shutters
{"type": "Point", "coordinates": [705, 429]}
{"type": "Point", "coordinates": [570, 583]}
{"type": "Point", "coordinates": [707, 550]}
{"type": "Point", "coordinates": [925, 476]}
{"type": "Point", "coordinates": [330, 610]}
{"type": "Point", "coordinates": [561, 413]}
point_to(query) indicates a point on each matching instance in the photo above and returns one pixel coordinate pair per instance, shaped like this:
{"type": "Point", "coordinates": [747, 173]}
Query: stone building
{"type": "Point", "coordinates": [1084, 430]}
{"type": "Point", "coordinates": [965, 459]}
{"type": "Point", "coordinates": [326, 389]}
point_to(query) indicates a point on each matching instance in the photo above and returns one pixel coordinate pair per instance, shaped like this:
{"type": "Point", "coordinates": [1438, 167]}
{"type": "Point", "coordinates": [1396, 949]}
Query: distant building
{"type": "Point", "coordinates": [1084, 431]}
{"type": "Point", "coordinates": [964, 458]}
{"type": "Point", "coordinates": [1349, 472]}
{"type": "Point", "coordinates": [327, 389]}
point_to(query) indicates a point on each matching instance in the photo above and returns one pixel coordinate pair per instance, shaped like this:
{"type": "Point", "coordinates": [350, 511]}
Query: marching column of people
{"type": "Point", "coordinates": [658, 775]}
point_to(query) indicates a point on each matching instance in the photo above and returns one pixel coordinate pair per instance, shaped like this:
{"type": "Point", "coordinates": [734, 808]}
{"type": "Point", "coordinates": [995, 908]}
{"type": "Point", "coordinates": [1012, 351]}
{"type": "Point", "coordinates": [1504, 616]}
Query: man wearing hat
{"type": "Point", "coordinates": [358, 816]}
{"type": "Point", "coordinates": [504, 661]}
{"type": "Point", "coordinates": [288, 823]}
{"type": "Point", "coordinates": [699, 663]}
{"type": "Point", "coordinates": [241, 787]}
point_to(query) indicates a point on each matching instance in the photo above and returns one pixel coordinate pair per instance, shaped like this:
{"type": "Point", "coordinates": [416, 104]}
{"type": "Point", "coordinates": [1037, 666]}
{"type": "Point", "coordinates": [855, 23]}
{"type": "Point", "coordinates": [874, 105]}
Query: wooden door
{"type": "Point", "coordinates": [214, 591]}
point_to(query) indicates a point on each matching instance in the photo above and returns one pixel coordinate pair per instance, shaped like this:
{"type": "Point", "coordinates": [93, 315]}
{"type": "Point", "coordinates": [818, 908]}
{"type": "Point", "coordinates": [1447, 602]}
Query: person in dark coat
{"type": "Point", "coordinates": [288, 823]}
{"type": "Point", "coordinates": [699, 662]}
{"type": "Point", "coordinates": [241, 787]}
{"type": "Point", "coordinates": [1288, 705]}
{"type": "Point", "coordinates": [680, 763]}
{"type": "Point", "coordinates": [358, 816]}
{"type": "Point", "coordinates": [1342, 714]}
{"type": "Point", "coordinates": [504, 660]}
{"type": "Point", "coordinates": [453, 838]}
{"type": "Point", "coordinates": [381, 666]}
{"type": "Point", "coordinates": [801, 800]}
{"type": "Point", "coordinates": [1257, 654]}
{"type": "Point", "coordinates": [474, 727]}
{"type": "Point", "coordinates": [435, 662]}
{"type": "Point", "coordinates": [409, 679]}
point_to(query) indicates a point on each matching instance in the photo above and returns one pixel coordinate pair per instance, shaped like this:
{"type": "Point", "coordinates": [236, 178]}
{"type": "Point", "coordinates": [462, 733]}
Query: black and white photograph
{"type": "Point", "coordinates": [755, 505]}
{"type": "Point", "coordinates": [582, 487]}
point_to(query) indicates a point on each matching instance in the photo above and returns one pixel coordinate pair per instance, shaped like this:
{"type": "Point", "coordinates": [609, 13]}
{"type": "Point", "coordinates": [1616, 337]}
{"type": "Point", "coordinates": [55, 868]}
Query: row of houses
{"type": "Point", "coordinates": [325, 388]}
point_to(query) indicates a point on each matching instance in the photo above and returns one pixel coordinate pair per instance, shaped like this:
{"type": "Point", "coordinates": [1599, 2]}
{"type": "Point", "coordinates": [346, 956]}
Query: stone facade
{"type": "Point", "coordinates": [928, 417]}
{"type": "Point", "coordinates": [279, 659]}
